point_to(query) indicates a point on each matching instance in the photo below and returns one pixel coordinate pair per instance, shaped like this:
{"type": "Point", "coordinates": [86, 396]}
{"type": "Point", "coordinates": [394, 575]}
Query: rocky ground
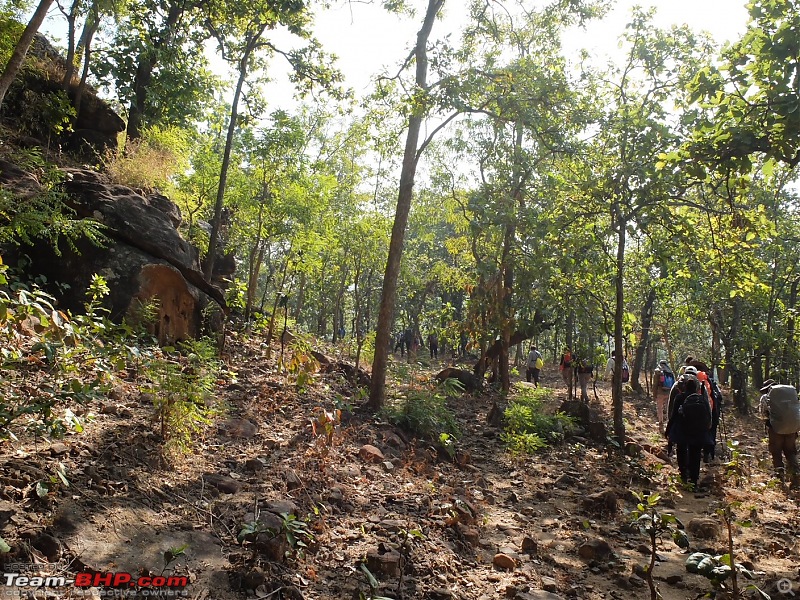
{"type": "Point", "coordinates": [347, 489]}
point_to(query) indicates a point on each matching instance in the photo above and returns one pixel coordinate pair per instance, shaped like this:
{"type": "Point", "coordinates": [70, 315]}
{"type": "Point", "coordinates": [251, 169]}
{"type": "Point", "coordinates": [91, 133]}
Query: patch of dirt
{"type": "Point", "coordinates": [480, 525]}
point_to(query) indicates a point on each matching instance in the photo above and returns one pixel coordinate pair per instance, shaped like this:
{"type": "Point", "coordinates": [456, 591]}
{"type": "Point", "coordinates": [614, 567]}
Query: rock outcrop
{"type": "Point", "coordinates": [145, 258]}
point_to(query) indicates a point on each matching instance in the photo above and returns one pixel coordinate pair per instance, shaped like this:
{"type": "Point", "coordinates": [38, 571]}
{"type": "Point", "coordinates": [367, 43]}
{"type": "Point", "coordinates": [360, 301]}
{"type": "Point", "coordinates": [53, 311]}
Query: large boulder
{"type": "Point", "coordinates": [144, 259]}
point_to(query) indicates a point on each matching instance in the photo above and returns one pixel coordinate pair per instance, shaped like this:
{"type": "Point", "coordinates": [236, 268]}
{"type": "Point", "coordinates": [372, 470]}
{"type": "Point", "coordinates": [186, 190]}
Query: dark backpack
{"type": "Point", "coordinates": [695, 413]}
{"type": "Point", "coordinates": [626, 373]}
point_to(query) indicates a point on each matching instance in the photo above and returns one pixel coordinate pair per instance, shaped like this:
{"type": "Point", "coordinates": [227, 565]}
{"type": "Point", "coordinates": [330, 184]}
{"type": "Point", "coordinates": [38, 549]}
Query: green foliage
{"type": "Point", "coordinates": [655, 525]}
{"type": "Point", "coordinates": [10, 31]}
{"type": "Point", "coordinates": [529, 428]}
{"type": "Point", "coordinates": [46, 115]}
{"type": "Point", "coordinates": [44, 216]}
{"type": "Point", "coordinates": [424, 413]}
{"type": "Point", "coordinates": [34, 334]}
{"type": "Point", "coordinates": [181, 382]}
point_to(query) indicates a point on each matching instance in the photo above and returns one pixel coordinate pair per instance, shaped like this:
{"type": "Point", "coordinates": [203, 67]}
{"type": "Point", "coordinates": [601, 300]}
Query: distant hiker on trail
{"type": "Point", "coordinates": [780, 407]}
{"type": "Point", "coordinates": [433, 344]}
{"type": "Point", "coordinates": [565, 365]}
{"type": "Point", "coordinates": [609, 374]}
{"type": "Point", "coordinates": [663, 381]}
{"type": "Point", "coordinates": [535, 364]}
{"type": "Point", "coordinates": [688, 426]}
{"type": "Point", "coordinates": [584, 368]}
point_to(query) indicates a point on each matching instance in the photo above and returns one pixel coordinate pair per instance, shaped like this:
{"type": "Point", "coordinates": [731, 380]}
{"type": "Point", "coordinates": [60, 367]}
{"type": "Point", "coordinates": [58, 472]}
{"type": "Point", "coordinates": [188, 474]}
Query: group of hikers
{"type": "Point", "coordinates": [409, 341]}
{"type": "Point", "coordinates": [690, 403]}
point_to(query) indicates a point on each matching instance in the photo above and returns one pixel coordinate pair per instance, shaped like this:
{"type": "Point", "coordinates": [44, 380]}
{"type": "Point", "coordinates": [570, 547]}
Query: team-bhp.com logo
{"type": "Point", "coordinates": [158, 585]}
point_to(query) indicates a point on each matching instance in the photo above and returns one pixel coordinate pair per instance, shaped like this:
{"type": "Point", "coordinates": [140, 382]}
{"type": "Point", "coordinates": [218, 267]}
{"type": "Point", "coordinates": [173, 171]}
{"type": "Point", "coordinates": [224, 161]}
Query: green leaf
{"type": "Point", "coordinates": [4, 547]}
{"type": "Point", "coordinates": [373, 583]}
{"type": "Point", "coordinates": [42, 489]}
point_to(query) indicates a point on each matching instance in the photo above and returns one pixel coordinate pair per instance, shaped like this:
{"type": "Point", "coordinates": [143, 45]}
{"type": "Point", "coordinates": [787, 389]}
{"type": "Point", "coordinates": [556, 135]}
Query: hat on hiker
{"type": "Point", "coordinates": [690, 370]}
{"type": "Point", "coordinates": [767, 386]}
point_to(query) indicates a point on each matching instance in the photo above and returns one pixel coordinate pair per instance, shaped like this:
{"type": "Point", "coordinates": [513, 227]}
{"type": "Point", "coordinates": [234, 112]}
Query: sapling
{"type": "Point", "coordinates": [655, 524]}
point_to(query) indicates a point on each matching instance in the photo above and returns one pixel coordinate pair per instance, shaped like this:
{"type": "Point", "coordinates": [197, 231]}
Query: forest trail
{"type": "Point", "coordinates": [482, 526]}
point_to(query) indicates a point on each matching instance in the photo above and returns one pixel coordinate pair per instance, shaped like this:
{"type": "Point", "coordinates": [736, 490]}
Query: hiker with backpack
{"type": "Point", "coordinates": [611, 364]}
{"type": "Point", "coordinates": [535, 364]}
{"type": "Point", "coordinates": [780, 406]}
{"type": "Point", "coordinates": [565, 366]}
{"type": "Point", "coordinates": [688, 427]}
{"type": "Point", "coordinates": [664, 380]}
{"type": "Point", "coordinates": [584, 370]}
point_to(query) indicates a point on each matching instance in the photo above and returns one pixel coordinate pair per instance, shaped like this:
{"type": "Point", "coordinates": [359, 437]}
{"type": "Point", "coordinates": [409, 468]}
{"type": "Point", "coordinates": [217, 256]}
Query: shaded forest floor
{"type": "Point", "coordinates": [355, 490]}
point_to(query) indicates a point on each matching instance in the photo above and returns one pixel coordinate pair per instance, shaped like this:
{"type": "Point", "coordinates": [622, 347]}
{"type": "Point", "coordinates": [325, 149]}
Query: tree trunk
{"type": "Point", "coordinates": [89, 32]}
{"type": "Point", "coordinates": [644, 340]}
{"type": "Point", "coordinates": [144, 72]}
{"type": "Point", "coordinates": [216, 222]}
{"type": "Point", "coordinates": [619, 310]}
{"type": "Point", "coordinates": [70, 70]}
{"type": "Point", "coordinates": [404, 196]}
{"type": "Point", "coordinates": [21, 49]}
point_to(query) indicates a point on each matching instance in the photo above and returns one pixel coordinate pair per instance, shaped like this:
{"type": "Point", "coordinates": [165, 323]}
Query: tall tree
{"type": "Point", "coordinates": [419, 106]}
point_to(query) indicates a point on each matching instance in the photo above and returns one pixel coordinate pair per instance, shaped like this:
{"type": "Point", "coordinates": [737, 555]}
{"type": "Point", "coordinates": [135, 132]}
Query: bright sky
{"type": "Point", "coordinates": [366, 38]}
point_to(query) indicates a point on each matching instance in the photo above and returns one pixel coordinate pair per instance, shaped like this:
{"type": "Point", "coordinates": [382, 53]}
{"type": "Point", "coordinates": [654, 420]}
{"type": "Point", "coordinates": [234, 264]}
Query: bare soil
{"type": "Point", "coordinates": [480, 524]}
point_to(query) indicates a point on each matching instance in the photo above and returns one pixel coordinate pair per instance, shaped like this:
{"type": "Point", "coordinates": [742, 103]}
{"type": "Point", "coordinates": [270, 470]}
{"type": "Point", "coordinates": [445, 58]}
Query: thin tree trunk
{"type": "Point", "coordinates": [619, 309]}
{"type": "Point", "coordinates": [404, 198]}
{"type": "Point", "coordinates": [216, 222]}
{"type": "Point", "coordinates": [21, 49]}
{"type": "Point", "coordinates": [647, 320]}
{"type": "Point", "coordinates": [87, 57]}
{"type": "Point", "coordinates": [144, 72]}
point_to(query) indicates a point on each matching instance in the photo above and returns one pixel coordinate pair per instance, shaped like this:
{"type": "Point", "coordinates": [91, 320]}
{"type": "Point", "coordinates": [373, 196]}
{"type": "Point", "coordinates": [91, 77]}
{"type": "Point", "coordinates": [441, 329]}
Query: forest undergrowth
{"type": "Point", "coordinates": [262, 477]}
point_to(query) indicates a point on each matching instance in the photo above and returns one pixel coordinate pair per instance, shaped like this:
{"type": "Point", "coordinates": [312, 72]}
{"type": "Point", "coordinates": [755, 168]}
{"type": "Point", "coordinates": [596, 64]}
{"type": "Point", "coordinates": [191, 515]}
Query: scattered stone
{"type": "Point", "coordinates": [58, 449]}
{"type": "Point", "coordinates": [537, 595]}
{"type": "Point", "coordinates": [240, 428]}
{"type": "Point", "coordinates": [336, 495]}
{"type": "Point", "coordinates": [440, 594]}
{"type": "Point", "coordinates": [549, 584]}
{"type": "Point", "coordinates": [595, 550]}
{"type": "Point", "coordinates": [253, 579]}
{"type": "Point", "coordinates": [293, 481]}
{"type": "Point", "coordinates": [47, 545]}
{"type": "Point", "coordinates": [254, 465]}
{"type": "Point", "coordinates": [673, 579]}
{"type": "Point", "coordinates": [530, 546]}
{"type": "Point", "coordinates": [503, 561]}
{"type": "Point", "coordinates": [369, 453]}
{"type": "Point", "coordinates": [224, 484]}
{"type": "Point", "coordinates": [7, 510]}
{"type": "Point", "coordinates": [601, 503]}
{"type": "Point", "coordinates": [388, 466]}
{"type": "Point", "coordinates": [109, 409]}
{"type": "Point", "coordinates": [278, 507]}
{"type": "Point", "coordinates": [703, 528]}
{"type": "Point", "coordinates": [384, 563]}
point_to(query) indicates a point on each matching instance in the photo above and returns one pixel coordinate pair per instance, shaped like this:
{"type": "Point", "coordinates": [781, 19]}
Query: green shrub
{"type": "Point", "coordinates": [181, 381]}
{"type": "Point", "coordinates": [45, 216]}
{"type": "Point", "coordinates": [150, 161]}
{"type": "Point", "coordinates": [423, 413]}
{"type": "Point", "coordinates": [529, 428]}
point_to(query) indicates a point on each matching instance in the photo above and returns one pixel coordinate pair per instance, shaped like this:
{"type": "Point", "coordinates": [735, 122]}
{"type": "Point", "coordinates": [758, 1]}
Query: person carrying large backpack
{"type": "Point", "coordinates": [688, 426]}
{"type": "Point", "coordinates": [781, 407]}
{"type": "Point", "coordinates": [664, 380]}
{"type": "Point", "coordinates": [535, 364]}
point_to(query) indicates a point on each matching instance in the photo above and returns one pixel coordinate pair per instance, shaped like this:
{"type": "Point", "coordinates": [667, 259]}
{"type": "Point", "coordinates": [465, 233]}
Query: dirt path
{"type": "Point", "coordinates": [484, 526]}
